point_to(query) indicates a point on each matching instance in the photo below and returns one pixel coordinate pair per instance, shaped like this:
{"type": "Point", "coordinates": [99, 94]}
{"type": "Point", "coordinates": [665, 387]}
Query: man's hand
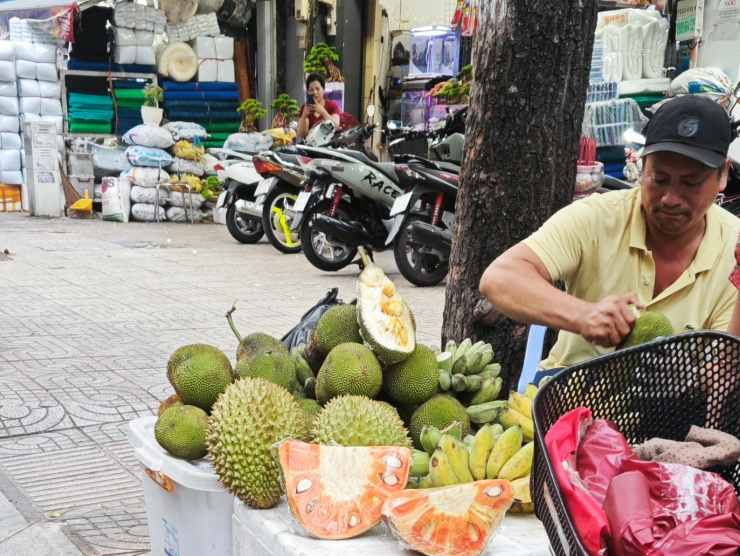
{"type": "Point", "coordinates": [609, 321]}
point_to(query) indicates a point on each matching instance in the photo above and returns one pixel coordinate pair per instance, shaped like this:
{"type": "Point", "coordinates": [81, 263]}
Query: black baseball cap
{"type": "Point", "coordinates": [693, 126]}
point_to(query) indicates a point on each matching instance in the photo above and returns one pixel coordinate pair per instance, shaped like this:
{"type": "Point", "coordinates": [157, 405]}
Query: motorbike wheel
{"type": "Point", "coordinates": [242, 229]}
{"type": "Point", "coordinates": [276, 223]}
{"type": "Point", "coordinates": [419, 268]}
{"type": "Point", "coordinates": [322, 251]}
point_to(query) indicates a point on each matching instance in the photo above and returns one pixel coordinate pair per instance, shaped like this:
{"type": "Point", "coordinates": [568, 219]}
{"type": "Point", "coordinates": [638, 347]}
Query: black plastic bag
{"type": "Point", "coordinates": [299, 333]}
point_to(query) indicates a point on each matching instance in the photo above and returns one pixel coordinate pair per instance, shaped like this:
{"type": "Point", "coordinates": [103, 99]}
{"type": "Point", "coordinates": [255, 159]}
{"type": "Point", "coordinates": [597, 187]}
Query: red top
{"type": "Point", "coordinates": [329, 105]}
{"type": "Point", "coordinates": [735, 275]}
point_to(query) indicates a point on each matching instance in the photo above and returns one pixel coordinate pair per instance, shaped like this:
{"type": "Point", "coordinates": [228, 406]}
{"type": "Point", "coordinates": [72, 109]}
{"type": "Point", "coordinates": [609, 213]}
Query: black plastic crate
{"type": "Point", "coordinates": [658, 389]}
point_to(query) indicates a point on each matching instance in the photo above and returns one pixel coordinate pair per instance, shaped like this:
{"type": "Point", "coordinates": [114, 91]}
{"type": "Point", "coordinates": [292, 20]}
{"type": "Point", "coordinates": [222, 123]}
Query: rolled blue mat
{"type": "Point", "coordinates": [201, 95]}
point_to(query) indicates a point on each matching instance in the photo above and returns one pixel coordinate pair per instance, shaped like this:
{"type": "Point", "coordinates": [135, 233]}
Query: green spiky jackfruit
{"type": "Point", "coordinates": [648, 327]}
{"type": "Point", "coordinates": [181, 430]}
{"type": "Point", "coordinates": [199, 373]}
{"type": "Point", "coordinates": [338, 325]}
{"type": "Point", "coordinates": [258, 343]}
{"type": "Point", "coordinates": [440, 412]}
{"type": "Point", "coordinates": [168, 403]}
{"type": "Point", "coordinates": [359, 421]}
{"type": "Point", "coordinates": [251, 416]}
{"type": "Point", "coordinates": [413, 380]}
{"type": "Point", "coordinates": [312, 409]}
{"type": "Point", "coordinates": [276, 366]}
{"type": "Point", "coordinates": [349, 369]}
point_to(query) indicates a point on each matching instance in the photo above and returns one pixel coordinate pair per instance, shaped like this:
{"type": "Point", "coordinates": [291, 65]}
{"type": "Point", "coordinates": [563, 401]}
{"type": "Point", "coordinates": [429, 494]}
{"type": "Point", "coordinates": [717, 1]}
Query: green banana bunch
{"type": "Point", "coordinates": [486, 412]}
{"type": "Point", "coordinates": [458, 456]}
{"type": "Point", "coordinates": [430, 436]}
{"type": "Point", "coordinates": [467, 358]}
{"type": "Point", "coordinates": [419, 464]}
{"type": "Point", "coordinates": [467, 369]}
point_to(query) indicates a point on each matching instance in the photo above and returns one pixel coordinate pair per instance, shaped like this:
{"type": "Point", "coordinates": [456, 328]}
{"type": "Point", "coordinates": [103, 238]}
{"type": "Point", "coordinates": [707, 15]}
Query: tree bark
{"type": "Point", "coordinates": [531, 68]}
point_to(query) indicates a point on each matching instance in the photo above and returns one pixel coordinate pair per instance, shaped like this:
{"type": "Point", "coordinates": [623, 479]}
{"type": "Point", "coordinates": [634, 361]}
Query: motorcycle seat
{"type": "Point", "coordinates": [385, 168]}
{"type": "Point", "coordinates": [448, 167]}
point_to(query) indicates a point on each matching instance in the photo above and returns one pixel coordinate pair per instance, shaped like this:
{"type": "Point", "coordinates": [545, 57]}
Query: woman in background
{"type": "Point", "coordinates": [320, 109]}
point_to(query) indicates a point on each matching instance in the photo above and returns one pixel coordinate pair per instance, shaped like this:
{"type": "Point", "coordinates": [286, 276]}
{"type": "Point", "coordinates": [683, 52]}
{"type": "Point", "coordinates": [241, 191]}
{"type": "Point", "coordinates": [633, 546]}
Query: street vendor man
{"type": "Point", "coordinates": [664, 246]}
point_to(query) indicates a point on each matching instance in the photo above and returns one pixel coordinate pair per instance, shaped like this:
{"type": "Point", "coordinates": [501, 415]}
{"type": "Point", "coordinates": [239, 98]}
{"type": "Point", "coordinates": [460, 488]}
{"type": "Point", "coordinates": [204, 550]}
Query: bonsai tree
{"type": "Point", "coordinates": [153, 95]}
{"type": "Point", "coordinates": [251, 111]}
{"type": "Point", "coordinates": [321, 60]}
{"type": "Point", "coordinates": [286, 108]}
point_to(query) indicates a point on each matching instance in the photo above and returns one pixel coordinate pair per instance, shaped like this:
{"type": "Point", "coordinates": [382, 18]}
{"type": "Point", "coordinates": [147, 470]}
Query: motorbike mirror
{"type": "Point", "coordinates": [393, 125]}
{"type": "Point", "coordinates": [631, 136]}
{"type": "Point", "coordinates": [370, 110]}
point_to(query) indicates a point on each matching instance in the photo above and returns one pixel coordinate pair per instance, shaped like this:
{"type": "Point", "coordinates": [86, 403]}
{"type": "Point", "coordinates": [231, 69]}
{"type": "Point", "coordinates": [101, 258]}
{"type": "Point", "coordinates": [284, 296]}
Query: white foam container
{"type": "Point", "coordinates": [188, 511]}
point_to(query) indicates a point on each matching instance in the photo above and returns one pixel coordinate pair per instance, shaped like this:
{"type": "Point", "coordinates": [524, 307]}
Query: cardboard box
{"type": "Point", "coordinates": [10, 198]}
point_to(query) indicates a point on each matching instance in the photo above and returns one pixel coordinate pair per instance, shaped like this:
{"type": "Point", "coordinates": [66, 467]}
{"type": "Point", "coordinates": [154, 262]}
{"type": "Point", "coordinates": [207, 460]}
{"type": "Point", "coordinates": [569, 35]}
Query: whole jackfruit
{"type": "Point", "coordinates": [338, 325]}
{"type": "Point", "coordinates": [440, 412]}
{"type": "Point", "coordinates": [359, 421]}
{"type": "Point", "coordinates": [413, 380]}
{"type": "Point", "coordinates": [181, 430]}
{"type": "Point", "coordinates": [251, 416]}
{"type": "Point", "coordinates": [276, 366]}
{"type": "Point", "coordinates": [168, 403]}
{"type": "Point", "coordinates": [258, 343]}
{"type": "Point", "coordinates": [648, 327]}
{"type": "Point", "coordinates": [199, 373]}
{"type": "Point", "coordinates": [349, 369]}
{"type": "Point", "coordinates": [386, 323]}
{"type": "Point", "coordinates": [311, 407]}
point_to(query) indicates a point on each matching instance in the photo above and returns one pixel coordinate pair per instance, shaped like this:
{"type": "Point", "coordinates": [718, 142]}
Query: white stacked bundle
{"type": "Point", "coordinates": [10, 140]}
{"type": "Point", "coordinates": [215, 58]}
{"type": "Point", "coordinates": [21, 31]}
{"type": "Point", "coordinates": [133, 46]}
{"type": "Point", "coordinates": [202, 25]}
{"type": "Point", "coordinates": [139, 16]}
{"type": "Point", "coordinates": [39, 88]}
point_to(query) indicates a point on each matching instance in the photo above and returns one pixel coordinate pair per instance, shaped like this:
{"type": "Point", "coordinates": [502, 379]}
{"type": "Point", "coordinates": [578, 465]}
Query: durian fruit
{"type": "Point", "coordinates": [199, 373]}
{"type": "Point", "coordinates": [168, 403]}
{"type": "Point", "coordinates": [181, 430]}
{"type": "Point", "coordinates": [276, 366]}
{"type": "Point", "coordinates": [385, 321]}
{"type": "Point", "coordinates": [413, 380]}
{"type": "Point", "coordinates": [338, 325]}
{"type": "Point", "coordinates": [349, 369]}
{"type": "Point", "coordinates": [359, 421]}
{"type": "Point", "coordinates": [251, 416]}
{"type": "Point", "coordinates": [311, 407]}
{"type": "Point", "coordinates": [440, 412]}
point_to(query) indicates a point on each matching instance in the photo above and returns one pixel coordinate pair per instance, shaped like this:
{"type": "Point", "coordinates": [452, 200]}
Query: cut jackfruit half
{"type": "Point", "coordinates": [386, 323]}
{"type": "Point", "coordinates": [336, 492]}
{"type": "Point", "coordinates": [457, 520]}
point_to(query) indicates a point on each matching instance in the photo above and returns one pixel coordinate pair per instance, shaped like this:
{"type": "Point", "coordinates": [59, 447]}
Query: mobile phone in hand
{"type": "Point", "coordinates": [310, 99]}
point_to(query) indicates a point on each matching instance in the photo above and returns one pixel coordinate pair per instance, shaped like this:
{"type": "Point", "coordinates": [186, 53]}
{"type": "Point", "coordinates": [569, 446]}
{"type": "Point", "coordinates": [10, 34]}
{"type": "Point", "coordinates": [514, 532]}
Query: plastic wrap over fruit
{"type": "Point", "coordinates": [337, 492]}
{"type": "Point", "coordinates": [457, 520]}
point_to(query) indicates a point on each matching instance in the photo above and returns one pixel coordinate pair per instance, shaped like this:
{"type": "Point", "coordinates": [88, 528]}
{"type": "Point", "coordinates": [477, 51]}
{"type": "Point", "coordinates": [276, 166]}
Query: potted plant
{"type": "Point", "coordinates": [151, 113]}
{"type": "Point", "coordinates": [286, 108]}
{"type": "Point", "coordinates": [321, 60]}
{"type": "Point", "coordinates": [251, 111]}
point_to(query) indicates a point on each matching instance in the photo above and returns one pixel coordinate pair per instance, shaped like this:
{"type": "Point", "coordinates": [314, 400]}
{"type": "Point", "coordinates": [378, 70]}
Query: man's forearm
{"type": "Point", "coordinates": [518, 290]}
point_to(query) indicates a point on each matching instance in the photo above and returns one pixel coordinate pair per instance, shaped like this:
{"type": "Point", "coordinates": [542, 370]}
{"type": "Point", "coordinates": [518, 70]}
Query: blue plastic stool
{"type": "Point", "coordinates": [532, 355]}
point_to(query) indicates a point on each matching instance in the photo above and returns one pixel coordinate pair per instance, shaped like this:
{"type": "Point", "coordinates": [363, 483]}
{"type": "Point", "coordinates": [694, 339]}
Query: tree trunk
{"type": "Point", "coordinates": [531, 68]}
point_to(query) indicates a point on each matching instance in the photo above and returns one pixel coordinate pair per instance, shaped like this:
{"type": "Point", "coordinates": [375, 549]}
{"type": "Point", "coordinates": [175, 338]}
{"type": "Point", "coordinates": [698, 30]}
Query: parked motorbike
{"type": "Point", "coordinates": [283, 177]}
{"type": "Point", "coordinates": [237, 172]}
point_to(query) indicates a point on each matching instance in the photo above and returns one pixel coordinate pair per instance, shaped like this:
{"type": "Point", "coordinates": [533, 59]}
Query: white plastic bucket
{"type": "Point", "coordinates": [151, 115]}
{"type": "Point", "coordinates": [188, 511]}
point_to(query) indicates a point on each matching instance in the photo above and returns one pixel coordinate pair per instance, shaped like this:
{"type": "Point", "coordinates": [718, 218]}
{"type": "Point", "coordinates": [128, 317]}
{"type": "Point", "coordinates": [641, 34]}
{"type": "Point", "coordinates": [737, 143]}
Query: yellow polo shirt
{"type": "Point", "coordinates": [597, 246]}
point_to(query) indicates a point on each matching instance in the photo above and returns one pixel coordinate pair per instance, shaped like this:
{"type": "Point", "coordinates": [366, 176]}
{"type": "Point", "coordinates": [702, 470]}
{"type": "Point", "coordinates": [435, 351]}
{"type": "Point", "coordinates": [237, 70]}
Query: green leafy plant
{"type": "Point", "coordinates": [322, 60]}
{"type": "Point", "coordinates": [210, 185]}
{"type": "Point", "coordinates": [286, 108]}
{"type": "Point", "coordinates": [251, 111]}
{"type": "Point", "coordinates": [465, 73]}
{"type": "Point", "coordinates": [153, 95]}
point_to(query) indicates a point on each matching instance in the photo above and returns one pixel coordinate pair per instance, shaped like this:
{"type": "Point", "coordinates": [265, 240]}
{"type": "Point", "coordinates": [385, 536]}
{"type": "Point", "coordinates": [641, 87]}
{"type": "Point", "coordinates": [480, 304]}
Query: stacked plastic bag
{"type": "Point", "coordinates": [138, 16]}
{"type": "Point", "coordinates": [21, 31]}
{"type": "Point", "coordinates": [215, 59]}
{"type": "Point", "coordinates": [132, 46]}
{"type": "Point", "coordinates": [10, 139]}
{"type": "Point", "coordinates": [201, 25]}
{"type": "Point", "coordinates": [634, 44]}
